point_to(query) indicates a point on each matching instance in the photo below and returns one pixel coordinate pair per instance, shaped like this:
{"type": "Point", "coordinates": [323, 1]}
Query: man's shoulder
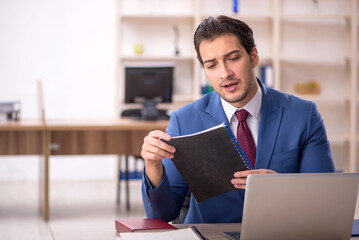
{"type": "Point", "coordinates": [188, 119]}
{"type": "Point", "coordinates": [198, 105]}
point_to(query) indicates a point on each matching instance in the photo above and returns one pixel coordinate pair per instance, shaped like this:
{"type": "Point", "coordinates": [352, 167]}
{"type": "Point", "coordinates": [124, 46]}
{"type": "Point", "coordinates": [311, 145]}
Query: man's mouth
{"type": "Point", "coordinates": [230, 86]}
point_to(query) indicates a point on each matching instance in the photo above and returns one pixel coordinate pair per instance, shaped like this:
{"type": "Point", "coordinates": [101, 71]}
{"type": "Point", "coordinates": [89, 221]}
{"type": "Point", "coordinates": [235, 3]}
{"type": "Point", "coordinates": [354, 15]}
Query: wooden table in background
{"type": "Point", "coordinates": [21, 138]}
{"type": "Point", "coordinates": [72, 137]}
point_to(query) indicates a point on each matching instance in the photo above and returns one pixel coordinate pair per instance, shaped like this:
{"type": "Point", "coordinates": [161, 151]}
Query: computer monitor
{"type": "Point", "coordinates": [149, 85]}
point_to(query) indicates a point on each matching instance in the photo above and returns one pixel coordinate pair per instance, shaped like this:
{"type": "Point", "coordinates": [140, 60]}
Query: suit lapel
{"type": "Point", "coordinates": [271, 117]}
{"type": "Point", "coordinates": [214, 113]}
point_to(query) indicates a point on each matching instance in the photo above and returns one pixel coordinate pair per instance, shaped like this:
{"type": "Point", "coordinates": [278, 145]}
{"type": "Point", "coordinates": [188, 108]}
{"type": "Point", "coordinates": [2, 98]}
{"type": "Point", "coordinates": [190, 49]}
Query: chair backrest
{"type": "Point", "coordinates": [183, 213]}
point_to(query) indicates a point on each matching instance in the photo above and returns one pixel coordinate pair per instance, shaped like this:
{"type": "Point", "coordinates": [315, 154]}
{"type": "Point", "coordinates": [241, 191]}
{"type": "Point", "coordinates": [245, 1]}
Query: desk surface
{"type": "Point", "coordinates": [83, 124]}
{"type": "Point", "coordinates": [105, 124]}
{"type": "Point", "coordinates": [108, 232]}
{"type": "Point", "coordinates": [21, 125]}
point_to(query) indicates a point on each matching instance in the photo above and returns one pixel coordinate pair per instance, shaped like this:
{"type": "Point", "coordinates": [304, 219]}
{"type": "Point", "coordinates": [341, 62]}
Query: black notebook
{"type": "Point", "coordinates": [207, 160]}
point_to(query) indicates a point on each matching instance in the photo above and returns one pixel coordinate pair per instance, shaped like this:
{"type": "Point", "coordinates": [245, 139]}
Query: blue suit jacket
{"type": "Point", "coordinates": [291, 139]}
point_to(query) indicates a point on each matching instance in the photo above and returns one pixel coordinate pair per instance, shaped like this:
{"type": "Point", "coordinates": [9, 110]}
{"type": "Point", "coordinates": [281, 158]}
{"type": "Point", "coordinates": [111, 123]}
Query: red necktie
{"type": "Point", "coordinates": [244, 136]}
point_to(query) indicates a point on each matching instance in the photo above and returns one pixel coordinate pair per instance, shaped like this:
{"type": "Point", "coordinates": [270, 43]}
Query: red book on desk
{"type": "Point", "coordinates": [133, 224]}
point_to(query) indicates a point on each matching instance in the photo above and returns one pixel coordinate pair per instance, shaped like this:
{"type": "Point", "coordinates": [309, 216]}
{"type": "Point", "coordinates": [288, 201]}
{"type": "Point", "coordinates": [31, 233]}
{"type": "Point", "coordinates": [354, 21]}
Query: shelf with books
{"type": "Point", "coordinates": [170, 38]}
{"type": "Point", "coordinates": [317, 61]}
{"type": "Point", "coordinates": [327, 80]}
{"type": "Point", "coordinates": [156, 7]}
{"type": "Point", "coordinates": [315, 19]}
{"type": "Point", "coordinates": [313, 8]}
{"type": "Point", "coordinates": [165, 16]}
{"type": "Point", "coordinates": [147, 58]}
{"type": "Point", "coordinates": [324, 98]}
{"type": "Point", "coordinates": [253, 9]}
{"type": "Point", "coordinates": [315, 46]}
{"type": "Point", "coordinates": [248, 18]}
{"type": "Point", "coordinates": [157, 31]}
{"type": "Point", "coordinates": [302, 41]}
{"type": "Point", "coordinates": [326, 41]}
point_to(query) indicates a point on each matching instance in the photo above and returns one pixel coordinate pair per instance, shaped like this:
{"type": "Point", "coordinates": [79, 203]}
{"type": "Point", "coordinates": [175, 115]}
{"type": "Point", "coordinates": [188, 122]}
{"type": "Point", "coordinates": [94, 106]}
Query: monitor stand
{"type": "Point", "coordinates": [148, 112]}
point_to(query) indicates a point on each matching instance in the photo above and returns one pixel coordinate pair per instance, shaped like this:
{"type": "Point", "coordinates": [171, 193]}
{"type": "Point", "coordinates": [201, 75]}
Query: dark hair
{"type": "Point", "coordinates": [211, 28]}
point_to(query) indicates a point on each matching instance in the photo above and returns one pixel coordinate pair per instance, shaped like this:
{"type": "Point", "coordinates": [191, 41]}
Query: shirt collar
{"type": "Point", "coordinates": [253, 107]}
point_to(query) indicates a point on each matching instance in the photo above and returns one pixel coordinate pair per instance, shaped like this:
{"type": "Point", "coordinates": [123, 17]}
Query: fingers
{"type": "Point", "coordinates": [240, 178]}
{"type": "Point", "coordinates": [239, 183]}
{"type": "Point", "coordinates": [154, 149]}
{"type": "Point", "coordinates": [244, 174]}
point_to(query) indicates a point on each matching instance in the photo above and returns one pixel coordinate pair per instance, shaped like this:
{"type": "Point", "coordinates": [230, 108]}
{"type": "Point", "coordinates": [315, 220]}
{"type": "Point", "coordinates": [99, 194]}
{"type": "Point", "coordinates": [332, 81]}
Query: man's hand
{"type": "Point", "coordinates": [153, 151]}
{"type": "Point", "coordinates": [240, 178]}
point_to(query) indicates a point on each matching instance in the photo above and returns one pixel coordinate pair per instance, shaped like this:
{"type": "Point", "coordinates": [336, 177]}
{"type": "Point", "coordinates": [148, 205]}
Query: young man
{"type": "Point", "coordinates": [287, 133]}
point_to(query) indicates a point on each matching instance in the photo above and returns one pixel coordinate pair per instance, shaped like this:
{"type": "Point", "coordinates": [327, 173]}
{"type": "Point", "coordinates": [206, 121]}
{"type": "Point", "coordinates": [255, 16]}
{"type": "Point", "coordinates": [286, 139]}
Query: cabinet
{"type": "Point", "coordinates": [323, 36]}
{"type": "Point", "coordinates": [303, 40]}
{"type": "Point", "coordinates": [153, 25]}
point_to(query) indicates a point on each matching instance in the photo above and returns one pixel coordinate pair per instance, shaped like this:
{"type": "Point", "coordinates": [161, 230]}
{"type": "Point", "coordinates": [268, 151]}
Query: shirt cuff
{"type": "Point", "coordinates": [147, 182]}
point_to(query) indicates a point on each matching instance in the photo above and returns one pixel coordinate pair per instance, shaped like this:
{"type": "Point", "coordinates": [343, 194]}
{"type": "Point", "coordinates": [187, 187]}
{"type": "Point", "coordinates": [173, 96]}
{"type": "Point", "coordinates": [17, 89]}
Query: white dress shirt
{"type": "Point", "coordinates": [253, 107]}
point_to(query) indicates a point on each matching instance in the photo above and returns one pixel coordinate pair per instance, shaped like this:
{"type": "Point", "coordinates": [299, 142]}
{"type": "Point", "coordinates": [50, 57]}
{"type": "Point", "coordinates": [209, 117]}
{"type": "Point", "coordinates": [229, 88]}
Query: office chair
{"type": "Point", "coordinates": [126, 174]}
{"type": "Point", "coordinates": [183, 213]}
{"type": "Point", "coordinates": [127, 171]}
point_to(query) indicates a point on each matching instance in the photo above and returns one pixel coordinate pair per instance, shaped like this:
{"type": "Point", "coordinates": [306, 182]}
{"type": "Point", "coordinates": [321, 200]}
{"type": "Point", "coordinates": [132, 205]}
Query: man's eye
{"type": "Point", "coordinates": [211, 66]}
{"type": "Point", "coordinates": [233, 58]}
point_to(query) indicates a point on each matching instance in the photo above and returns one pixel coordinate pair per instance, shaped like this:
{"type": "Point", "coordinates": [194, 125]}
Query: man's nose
{"type": "Point", "coordinates": [225, 72]}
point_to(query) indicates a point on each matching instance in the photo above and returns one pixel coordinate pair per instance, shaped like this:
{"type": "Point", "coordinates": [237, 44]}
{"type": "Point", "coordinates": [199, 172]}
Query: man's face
{"type": "Point", "coordinates": [230, 69]}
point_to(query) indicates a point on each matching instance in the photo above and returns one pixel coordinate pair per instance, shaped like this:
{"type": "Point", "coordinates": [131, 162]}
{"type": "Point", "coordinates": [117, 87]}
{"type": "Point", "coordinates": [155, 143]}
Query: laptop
{"type": "Point", "coordinates": [298, 206]}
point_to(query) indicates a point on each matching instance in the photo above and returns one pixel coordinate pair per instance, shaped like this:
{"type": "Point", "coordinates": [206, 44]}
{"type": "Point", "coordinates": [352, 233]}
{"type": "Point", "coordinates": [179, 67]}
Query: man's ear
{"type": "Point", "coordinates": [254, 57]}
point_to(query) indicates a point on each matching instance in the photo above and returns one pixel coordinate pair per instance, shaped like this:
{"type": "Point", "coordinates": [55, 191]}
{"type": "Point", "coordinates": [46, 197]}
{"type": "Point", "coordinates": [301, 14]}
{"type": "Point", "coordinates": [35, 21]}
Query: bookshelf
{"type": "Point", "coordinates": [306, 40]}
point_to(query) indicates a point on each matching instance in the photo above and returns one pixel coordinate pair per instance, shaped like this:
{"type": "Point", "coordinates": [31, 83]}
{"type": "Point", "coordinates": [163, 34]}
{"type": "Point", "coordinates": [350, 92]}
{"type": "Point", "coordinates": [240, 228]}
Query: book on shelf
{"type": "Point", "coordinates": [206, 86]}
{"type": "Point", "coordinates": [141, 224]}
{"type": "Point", "coordinates": [207, 160]}
{"type": "Point", "coordinates": [355, 228]}
{"type": "Point", "coordinates": [267, 75]}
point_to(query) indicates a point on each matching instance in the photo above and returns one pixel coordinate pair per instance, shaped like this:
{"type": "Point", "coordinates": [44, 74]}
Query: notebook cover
{"type": "Point", "coordinates": [133, 224]}
{"type": "Point", "coordinates": [207, 161]}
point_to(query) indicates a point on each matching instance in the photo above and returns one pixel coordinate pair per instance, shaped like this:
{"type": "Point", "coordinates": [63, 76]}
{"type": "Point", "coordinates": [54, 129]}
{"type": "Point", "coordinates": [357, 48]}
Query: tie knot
{"type": "Point", "coordinates": [242, 115]}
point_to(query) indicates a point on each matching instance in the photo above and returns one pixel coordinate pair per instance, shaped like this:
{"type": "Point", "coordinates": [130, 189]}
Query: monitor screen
{"type": "Point", "coordinates": [148, 83]}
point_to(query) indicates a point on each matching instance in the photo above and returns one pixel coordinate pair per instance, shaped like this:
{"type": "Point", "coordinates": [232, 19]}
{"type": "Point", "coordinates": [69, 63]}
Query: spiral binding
{"type": "Point", "coordinates": [238, 147]}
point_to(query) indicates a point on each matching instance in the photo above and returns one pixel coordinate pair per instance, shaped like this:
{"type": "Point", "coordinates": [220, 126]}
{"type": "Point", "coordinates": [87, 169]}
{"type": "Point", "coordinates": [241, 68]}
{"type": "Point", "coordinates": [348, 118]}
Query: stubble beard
{"type": "Point", "coordinates": [242, 96]}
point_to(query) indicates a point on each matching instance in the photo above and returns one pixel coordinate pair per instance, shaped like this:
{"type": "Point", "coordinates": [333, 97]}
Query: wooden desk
{"type": "Point", "coordinates": [22, 138]}
{"type": "Point", "coordinates": [108, 232]}
{"type": "Point", "coordinates": [72, 137]}
{"type": "Point", "coordinates": [120, 136]}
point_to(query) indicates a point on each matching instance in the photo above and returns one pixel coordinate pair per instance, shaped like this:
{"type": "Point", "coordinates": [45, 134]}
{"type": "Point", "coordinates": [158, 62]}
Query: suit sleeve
{"type": "Point", "coordinates": [165, 201]}
{"type": "Point", "coordinates": [316, 155]}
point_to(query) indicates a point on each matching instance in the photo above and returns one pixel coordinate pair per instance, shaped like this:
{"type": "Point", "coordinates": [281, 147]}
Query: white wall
{"type": "Point", "coordinates": [70, 45]}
